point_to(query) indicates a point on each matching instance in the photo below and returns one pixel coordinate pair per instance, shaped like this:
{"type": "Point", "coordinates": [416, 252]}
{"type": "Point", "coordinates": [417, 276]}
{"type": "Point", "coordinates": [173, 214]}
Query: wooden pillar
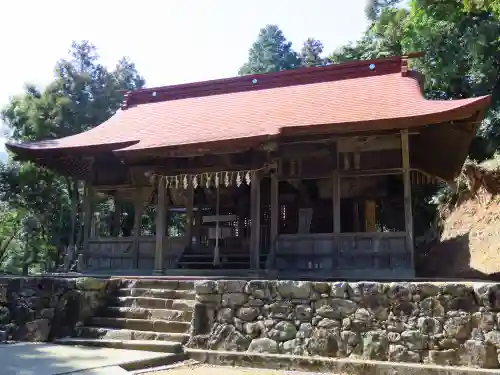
{"type": "Point", "coordinates": [138, 210]}
{"type": "Point", "coordinates": [275, 210]}
{"type": "Point", "coordinates": [88, 198]}
{"type": "Point", "coordinates": [197, 225]}
{"type": "Point", "coordinates": [160, 226]}
{"type": "Point", "coordinates": [116, 219]}
{"type": "Point", "coordinates": [189, 215]}
{"type": "Point", "coordinates": [94, 222]}
{"type": "Point", "coordinates": [356, 219]}
{"type": "Point", "coordinates": [336, 192]}
{"type": "Point", "coordinates": [407, 196]}
{"type": "Point", "coordinates": [255, 217]}
{"type": "Point", "coordinates": [336, 201]}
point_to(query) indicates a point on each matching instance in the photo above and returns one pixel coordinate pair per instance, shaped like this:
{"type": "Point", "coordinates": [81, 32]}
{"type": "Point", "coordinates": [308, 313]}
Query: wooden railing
{"type": "Point", "coordinates": [119, 253]}
{"type": "Point", "coordinates": [343, 254]}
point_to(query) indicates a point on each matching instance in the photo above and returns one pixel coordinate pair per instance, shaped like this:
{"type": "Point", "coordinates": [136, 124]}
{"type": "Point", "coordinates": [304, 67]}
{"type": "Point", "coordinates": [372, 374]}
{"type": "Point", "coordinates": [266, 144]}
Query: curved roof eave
{"type": "Point", "coordinates": [33, 150]}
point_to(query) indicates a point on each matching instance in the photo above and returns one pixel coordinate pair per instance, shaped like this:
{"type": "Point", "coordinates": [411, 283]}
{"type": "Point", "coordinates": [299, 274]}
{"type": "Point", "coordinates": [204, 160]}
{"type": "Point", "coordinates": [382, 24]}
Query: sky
{"type": "Point", "coordinates": [170, 41]}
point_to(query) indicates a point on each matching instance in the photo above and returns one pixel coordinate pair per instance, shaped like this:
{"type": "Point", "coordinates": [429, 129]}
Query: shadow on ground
{"type": "Point", "coordinates": [50, 359]}
{"type": "Point", "coordinates": [451, 255]}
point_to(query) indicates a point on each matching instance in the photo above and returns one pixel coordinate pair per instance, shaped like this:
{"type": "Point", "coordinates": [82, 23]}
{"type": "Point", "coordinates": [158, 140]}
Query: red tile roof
{"type": "Point", "coordinates": [332, 99]}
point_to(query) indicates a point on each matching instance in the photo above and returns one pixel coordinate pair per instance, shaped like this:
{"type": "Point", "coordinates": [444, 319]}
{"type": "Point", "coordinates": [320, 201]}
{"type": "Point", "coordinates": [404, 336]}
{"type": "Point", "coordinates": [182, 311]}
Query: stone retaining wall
{"type": "Point", "coordinates": [38, 309]}
{"type": "Point", "coordinates": [444, 324]}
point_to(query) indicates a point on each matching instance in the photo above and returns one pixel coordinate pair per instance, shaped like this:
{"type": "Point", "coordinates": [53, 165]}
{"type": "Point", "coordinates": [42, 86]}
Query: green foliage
{"type": "Point", "coordinates": [271, 52]}
{"type": "Point", "coordinates": [82, 95]}
{"type": "Point", "coordinates": [462, 58]}
{"type": "Point", "coordinates": [310, 54]}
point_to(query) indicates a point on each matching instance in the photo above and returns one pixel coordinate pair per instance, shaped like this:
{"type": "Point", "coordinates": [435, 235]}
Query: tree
{"type": "Point", "coordinates": [462, 58]}
{"type": "Point", "coordinates": [383, 38]}
{"type": "Point", "coordinates": [374, 8]}
{"type": "Point", "coordinates": [310, 54]}
{"type": "Point", "coordinates": [271, 52]}
{"type": "Point", "coordinates": [82, 95]}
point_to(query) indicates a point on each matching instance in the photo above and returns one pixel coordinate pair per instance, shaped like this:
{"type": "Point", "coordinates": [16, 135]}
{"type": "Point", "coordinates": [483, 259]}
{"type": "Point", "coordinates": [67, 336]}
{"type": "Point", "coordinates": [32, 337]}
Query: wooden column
{"type": "Point", "coordinates": [197, 225]}
{"type": "Point", "coordinates": [88, 199]}
{"type": "Point", "coordinates": [93, 226]}
{"type": "Point", "coordinates": [160, 226]}
{"type": "Point", "coordinates": [189, 215]}
{"type": "Point", "coordinates": [255, 217]}
{"type": "Point", "coordinates": [405, 148]}
{"type": "Point", "coordinates": [275, 209]}
{"type": "Point", "coordinates": [116, 219]}
{"type": "Point", "coordinates": [336, 193]}
{"type": "Point", "coordinates": [138, 210]}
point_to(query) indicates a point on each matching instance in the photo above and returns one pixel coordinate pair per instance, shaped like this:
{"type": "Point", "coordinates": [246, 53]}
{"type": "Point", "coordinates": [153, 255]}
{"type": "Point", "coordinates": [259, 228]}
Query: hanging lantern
{"type": "Point", "coordinates": [185, 182]}
{"type": "Point", "coordinates": [227, 179]}
{"type": "Point", "coordinates": [217, 180]}
{"type": "Point", "coordinates": [238, 179]}
{"type": "Point", "coordinates": [207, 180]}
{"type": "Point", "coordinates": [248, 178]}
{"type": "Point", "coordinates": [195, 181]}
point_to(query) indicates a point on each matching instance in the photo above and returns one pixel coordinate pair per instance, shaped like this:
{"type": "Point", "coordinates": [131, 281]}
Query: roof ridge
{"type": "Point", "coordinates": [332, 72]}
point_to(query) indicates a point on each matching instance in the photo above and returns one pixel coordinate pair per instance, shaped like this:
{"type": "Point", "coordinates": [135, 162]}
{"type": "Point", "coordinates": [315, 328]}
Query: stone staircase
{"type": "Point", "coordinates": [143, 314]}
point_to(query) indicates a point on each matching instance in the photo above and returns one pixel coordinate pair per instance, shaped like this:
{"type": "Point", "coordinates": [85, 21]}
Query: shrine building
{"type": "Point", "coordinates": [306, 172]}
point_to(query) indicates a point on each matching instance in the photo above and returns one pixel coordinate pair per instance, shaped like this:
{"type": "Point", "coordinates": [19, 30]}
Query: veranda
{"type": "Point", "coordinates": [319, 206]}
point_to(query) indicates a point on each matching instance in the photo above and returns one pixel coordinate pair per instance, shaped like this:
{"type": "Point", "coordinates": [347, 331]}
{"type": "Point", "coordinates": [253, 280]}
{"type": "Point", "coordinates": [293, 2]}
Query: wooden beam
{"type": "Point", "coordinates": [370, 143]}
{"type": "Point", "coordinates": [200, 164]}
{"type": "Point", "coordinates": [255, 217]}
{"type": "Point", "coordinates": [160, 226]}
{"type": "Point", "coordinates": [370, 172]}
{"type": "Point", "coordinates": [405, 148]}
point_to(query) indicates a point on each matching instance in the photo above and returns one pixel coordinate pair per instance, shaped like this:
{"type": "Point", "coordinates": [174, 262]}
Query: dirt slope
{"type": "Point", "coordinates": [470, 241]}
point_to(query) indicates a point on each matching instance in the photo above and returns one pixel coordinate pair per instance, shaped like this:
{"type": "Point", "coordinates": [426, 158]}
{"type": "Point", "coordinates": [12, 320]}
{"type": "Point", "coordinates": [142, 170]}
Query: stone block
{"type": "Point", "coordinates": [481, 354]}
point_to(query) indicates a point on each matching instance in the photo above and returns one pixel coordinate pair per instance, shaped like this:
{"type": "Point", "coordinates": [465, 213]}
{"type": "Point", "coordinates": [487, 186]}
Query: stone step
{"type": "Point", "coordinates": [145, 345]}
{"type": "Point", "coordinates": [144, 313]}
{"type": "Point", "coordinates": [151, 302]}
{"type": "Point", "coordinates": [141, 324]}
{"type": "Point", "coordinates": [90, 332]}
{"type": "Point", "coordinates": [158, 284]}
{"type": "Point", "coordinates": [157, 293]}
